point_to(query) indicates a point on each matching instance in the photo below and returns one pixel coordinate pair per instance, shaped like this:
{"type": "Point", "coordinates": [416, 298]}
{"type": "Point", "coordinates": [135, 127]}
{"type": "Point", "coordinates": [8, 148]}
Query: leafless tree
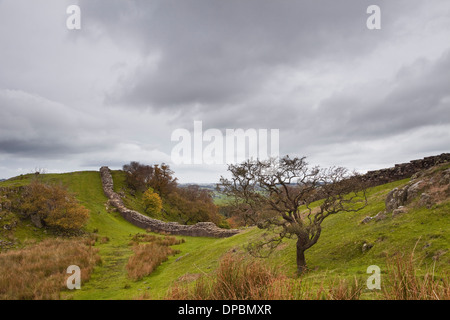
{"type": "Point", "coordinates": [291, 199]}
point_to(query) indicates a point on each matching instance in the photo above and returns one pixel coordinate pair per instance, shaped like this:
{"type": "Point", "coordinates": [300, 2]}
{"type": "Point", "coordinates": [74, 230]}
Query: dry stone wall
{"type": "Point", "coordinates": [201, 229]}
{"type": "Point", "coordinates": [404, 170]}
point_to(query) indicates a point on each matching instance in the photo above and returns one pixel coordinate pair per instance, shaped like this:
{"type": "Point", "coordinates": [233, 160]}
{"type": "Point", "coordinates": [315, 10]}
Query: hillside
{"type": "Point", "coordinates": [346, 248]}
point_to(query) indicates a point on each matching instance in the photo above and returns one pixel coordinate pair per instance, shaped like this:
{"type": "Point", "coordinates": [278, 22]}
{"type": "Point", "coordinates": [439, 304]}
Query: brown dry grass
{"type": "Point", "coordinates": [239, 278]}
{"type": "Point", "coordinates": [403, 282]}
{"type": "Point", "coordinates": [150, 254]}
{"type": "Point", "coordinates": [39, 271]}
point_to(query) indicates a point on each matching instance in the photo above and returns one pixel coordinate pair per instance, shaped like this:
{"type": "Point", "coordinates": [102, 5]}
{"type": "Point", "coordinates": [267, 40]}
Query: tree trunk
{"type": "Point", "coordinates": [301, 261]}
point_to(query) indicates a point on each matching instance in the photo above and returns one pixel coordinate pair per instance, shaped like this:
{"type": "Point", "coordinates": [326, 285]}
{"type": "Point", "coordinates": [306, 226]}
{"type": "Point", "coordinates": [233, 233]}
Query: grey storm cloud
{"type": "Point", "coordinates": [420, 96]}
{"type": "Point", "coordinates": [33, 126]}
{"type": "Point", "coordinates": [215, 53]}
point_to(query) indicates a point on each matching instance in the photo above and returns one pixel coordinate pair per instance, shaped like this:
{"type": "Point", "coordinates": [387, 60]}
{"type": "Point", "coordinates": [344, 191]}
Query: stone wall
{"type": "Point", "coordinates": [201, 229]}
{"type": "Point", "coordinates": [404, 170]}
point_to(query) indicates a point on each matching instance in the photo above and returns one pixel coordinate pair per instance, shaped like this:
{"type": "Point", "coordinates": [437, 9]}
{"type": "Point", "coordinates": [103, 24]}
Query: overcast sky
{"type": "Point", "coordinates": [115, 90]}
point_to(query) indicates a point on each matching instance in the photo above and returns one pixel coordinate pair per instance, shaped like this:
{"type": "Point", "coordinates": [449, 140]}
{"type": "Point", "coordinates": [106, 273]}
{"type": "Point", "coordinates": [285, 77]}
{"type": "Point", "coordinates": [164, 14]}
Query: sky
{"type": "Point", "coordinates": [116, 89]}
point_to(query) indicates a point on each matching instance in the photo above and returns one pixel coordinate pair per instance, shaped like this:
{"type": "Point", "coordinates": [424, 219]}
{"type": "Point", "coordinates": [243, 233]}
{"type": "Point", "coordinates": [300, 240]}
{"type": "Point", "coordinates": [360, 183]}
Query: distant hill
{"type": "Point", "coordinates": [208, 186]}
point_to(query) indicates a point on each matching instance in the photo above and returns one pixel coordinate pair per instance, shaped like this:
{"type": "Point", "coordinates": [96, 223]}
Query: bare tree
{"type": "Point", "coordinates": [278, 195]}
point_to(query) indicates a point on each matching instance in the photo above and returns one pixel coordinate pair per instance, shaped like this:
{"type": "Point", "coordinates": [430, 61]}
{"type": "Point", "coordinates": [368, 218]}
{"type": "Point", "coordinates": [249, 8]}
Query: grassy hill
{"type": "Point", "coordinates": [338, 253]}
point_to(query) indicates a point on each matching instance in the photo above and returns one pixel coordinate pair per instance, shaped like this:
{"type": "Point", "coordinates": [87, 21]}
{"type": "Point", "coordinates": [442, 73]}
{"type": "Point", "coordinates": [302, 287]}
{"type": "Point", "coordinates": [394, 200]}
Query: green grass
{"type": "Point", "coordinates": [338, 252]}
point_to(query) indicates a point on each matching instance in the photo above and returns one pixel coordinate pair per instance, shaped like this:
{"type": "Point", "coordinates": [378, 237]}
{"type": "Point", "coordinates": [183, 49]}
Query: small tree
{"type": "Point", "coordinates": [152, 202]}
{"type": "Point", "coordinates": [162, 180]}
{"type": "Point", "coordinates": [279, 196]}
{"type": "Point", "coordinates": [194, 204]}
{"type": "Point", "coordinates": [138, 176]}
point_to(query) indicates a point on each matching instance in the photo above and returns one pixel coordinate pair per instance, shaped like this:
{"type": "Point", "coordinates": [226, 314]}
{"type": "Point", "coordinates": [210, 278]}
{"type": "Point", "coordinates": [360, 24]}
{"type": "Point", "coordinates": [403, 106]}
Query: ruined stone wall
{"type": "Point", "coordinates": [404, 170]}
{"type": "Point", "coordinates": [201, 229]}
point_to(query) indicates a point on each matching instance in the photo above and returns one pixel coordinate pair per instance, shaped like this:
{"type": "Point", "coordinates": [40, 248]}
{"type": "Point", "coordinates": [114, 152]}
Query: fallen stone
{"type": "Point", "coordinates": [398, 211]}
{"type": "Point", "coordinates": [366, 220]}
{"type": "Point", "coordinates": [36, 220]}
{"type": "Point", "coordinates": [380, 216]}
{"type": "Point", "coordinates": [366, 247]}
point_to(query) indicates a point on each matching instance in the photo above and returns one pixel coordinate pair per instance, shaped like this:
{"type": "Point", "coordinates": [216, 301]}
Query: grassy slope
{"type": "Point", "coordinates": [338, 252]}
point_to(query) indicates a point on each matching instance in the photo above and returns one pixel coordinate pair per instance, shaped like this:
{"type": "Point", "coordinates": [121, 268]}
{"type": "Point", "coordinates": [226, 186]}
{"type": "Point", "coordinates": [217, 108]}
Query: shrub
{"type": "Point", "coordinates": [54, 206]}
{"type": "Point", "coordinates": [152, 201]}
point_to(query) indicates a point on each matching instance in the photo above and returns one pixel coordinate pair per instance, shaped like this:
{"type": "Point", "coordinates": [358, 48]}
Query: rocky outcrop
{"type": "Point", "coordinates": [201, 229]}
{"type": "Point", "coordinates": [404, 170]}
{"type": "Point", "coordinates": [425, 189]}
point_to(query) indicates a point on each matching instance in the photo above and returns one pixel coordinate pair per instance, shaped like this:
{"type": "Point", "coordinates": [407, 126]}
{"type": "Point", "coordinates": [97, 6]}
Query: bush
{"type": "Point", "coordinates": [54, 206]}
{"type": "Point", "coordinates": [152, 202]}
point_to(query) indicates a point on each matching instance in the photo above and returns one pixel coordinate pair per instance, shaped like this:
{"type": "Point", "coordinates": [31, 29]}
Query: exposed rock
{"type": "Point", "coordinates": [201, 229]}
{"type": "Point", "coordinates": [366, 247]}
{"type": "Point", "coordinates": [366, 220]}
{"type": "Point", "coordinates": [401, 196]}
{"type": "Point", "coordinates": [425, 200]}
{"type": "Point", "coordinates": [445, 179]}
{"type": "Point", "coordinates": [395, 198]}
{"type": "Point", "coordinates": [412, 190]}
{"type": "Point", "coordinates": [380, 216]}
{"type": "Point", "coordinates": [398, 211]}
{"type": "Point", "coordinates": [37, 221]}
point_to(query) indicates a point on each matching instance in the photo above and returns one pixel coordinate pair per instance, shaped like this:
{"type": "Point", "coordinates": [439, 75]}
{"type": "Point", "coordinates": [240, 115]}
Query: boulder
{"type": "Point", "coordinates": [366, 247]}
{"type": "Point", "coordinates": [395, 198]}
{"type": "Point", "coordinates": [425, 200]}
{"type": "Point", "coordinates": [414, 189]}
{"type": "Point", "coordinates": [37, 221]}
{"type": "Point", "coordinates": [400, 197]}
